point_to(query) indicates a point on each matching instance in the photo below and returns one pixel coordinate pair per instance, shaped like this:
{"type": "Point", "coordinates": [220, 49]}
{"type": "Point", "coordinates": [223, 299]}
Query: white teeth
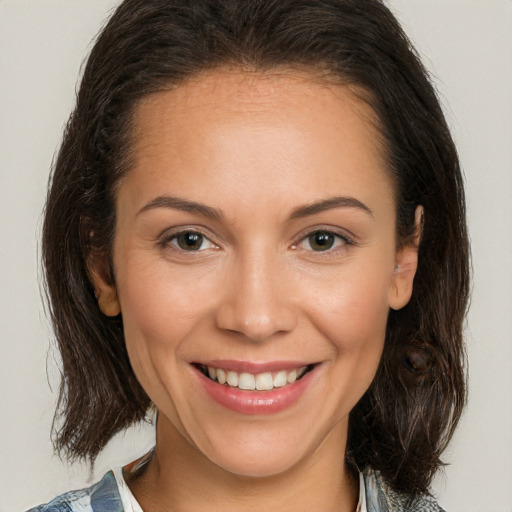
{"type": "Point", "coordinates": [221, 376]}
{"type": "Point", "coordinates": [280, 379]}
{"type": "Point", "coordinates": [247, 381]}
{"type": "Point", "coordinates": [301, 372]}
{"type": "Point", "coordinates": [261, 382]}
{"type": "Point", "coordinates": [264, 382]}
{"type": "Point", "coordinates": [232, 379]}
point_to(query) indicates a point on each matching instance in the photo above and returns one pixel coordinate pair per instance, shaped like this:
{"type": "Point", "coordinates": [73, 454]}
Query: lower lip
{"type": "Point", "coordinates": [256, 402]}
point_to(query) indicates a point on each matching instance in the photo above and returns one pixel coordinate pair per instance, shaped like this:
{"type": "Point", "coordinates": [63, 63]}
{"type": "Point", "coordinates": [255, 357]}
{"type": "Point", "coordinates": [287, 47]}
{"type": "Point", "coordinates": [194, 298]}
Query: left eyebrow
{"type": "Point", "coordinates": [329, 204]}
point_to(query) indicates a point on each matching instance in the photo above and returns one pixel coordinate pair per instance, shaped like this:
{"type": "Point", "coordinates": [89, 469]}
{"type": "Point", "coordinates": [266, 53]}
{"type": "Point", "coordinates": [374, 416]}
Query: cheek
{"type": "Point", "coordinates": [352, 314]}
{"type": "Point", "coordinates": [160, 313]}
{"type": "Point", "coordinates": [352, 309]}
{"type": "Point", "coordinates": [159, 305]}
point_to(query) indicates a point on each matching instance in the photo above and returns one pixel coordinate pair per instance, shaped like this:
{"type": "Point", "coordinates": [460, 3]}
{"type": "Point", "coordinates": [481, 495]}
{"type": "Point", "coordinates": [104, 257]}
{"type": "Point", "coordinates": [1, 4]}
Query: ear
{"type": "Point", "coordinates": [406, 264]}
{"type": "Point", "coordinates": [104, 286]}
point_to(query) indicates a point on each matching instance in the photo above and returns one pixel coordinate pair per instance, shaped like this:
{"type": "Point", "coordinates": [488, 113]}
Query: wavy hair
{"type": "Point", "coordinates": [403, 422]}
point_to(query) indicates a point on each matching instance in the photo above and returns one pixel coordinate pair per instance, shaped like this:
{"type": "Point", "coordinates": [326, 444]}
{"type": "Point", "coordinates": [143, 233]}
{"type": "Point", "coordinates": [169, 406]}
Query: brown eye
{"type": "Point", "coordinates": [322, 240]}
{"type": "Point", "coordinates": [191, 241]}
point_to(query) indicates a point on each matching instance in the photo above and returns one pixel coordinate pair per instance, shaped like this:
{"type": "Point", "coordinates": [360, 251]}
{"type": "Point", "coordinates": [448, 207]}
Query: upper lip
{"type": "Point", "coordinates": [253, 367]}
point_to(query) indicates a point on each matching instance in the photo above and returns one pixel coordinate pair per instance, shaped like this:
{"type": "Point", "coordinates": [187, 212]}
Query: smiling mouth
{"type": "Point", "coordinates": [266, 381]}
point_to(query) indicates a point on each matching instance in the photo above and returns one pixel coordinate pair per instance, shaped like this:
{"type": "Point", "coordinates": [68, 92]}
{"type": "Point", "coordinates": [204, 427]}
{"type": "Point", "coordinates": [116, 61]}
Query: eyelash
{"type": "Point", "coordinates": [340, 241]}
{"type": "Point", "coordinates": [169, 239]}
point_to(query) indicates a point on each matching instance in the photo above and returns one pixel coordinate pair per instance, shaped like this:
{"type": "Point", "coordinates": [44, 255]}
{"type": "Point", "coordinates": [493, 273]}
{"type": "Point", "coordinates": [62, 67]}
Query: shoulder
{"type": "Point", "coordinates": [381, 498]}
{"type": "Point", "coordinates": [101, 497]}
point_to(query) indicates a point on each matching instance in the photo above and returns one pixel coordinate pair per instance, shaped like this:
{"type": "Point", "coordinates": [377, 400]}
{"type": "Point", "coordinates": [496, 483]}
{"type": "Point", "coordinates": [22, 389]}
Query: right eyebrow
{"type": "Point", "coordinates": [184, 205]}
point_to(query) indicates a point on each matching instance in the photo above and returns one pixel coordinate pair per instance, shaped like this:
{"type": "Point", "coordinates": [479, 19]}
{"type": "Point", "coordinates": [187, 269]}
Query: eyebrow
{"type": "Point", "coordinates": [183, 205]}
{"type": "Point", "coordinates": [329, 204]}
{"type": "Point", "coordinates": [215, 214]}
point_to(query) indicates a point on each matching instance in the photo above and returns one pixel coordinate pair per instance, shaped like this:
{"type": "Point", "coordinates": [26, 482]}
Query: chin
{"type": "Point", "coordinates": [259, 465]}
{"type": "Point", "coordinates": [260, 453]}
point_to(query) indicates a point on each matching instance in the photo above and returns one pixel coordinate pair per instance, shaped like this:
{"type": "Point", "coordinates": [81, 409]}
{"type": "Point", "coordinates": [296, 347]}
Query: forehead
{"type": "Point", "coordinates": [243, 89]}
{"type": "Point", "coordinates": [259, 127]}
{"type": "Point", "coordinates": [277, 97]}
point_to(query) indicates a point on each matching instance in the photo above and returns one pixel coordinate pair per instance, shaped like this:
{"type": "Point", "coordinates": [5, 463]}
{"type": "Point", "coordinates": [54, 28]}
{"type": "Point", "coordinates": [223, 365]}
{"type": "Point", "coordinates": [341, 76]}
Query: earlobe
{"type": "Point", "coordinates": [109, 303]}
{"type": "Point", "coordinates": [104, 289]}
{"type": "Point", "coordinates": [406, 265]}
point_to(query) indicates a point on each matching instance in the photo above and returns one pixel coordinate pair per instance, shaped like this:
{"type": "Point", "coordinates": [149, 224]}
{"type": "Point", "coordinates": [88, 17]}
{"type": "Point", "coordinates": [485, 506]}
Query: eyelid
{"type": "Point", "coordinates": [164, 239]}
{"type": "Point", "coordinates": [336, 231]}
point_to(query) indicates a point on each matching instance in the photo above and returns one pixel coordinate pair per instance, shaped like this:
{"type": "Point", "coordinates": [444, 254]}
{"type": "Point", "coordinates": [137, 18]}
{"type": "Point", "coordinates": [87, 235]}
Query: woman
{"type": "Point", "coordinates": [256, 227]}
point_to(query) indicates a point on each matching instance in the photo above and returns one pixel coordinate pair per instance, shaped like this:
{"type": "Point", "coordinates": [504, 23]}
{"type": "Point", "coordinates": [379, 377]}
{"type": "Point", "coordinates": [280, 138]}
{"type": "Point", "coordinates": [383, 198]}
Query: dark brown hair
{"type": "Point", "coordinates": [403, 422]}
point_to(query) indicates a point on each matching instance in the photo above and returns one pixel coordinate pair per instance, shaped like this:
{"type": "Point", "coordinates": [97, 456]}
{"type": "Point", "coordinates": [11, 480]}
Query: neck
{"type": "Point", "coordinates": [180, 478]}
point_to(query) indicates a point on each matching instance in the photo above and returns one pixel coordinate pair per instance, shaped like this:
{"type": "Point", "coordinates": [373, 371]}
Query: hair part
{"type": "Point", "coordinates": [403, 422]}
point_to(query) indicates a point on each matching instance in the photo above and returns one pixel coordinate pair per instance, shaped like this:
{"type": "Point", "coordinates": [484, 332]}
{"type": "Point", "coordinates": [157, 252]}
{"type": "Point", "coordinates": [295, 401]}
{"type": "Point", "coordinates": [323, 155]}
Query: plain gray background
{"type": "Point", "coordinates": [467, 45]}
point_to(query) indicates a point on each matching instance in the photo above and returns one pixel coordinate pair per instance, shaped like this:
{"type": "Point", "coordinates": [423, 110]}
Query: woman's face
{"type": "Point", "coordinates": [255, 242]}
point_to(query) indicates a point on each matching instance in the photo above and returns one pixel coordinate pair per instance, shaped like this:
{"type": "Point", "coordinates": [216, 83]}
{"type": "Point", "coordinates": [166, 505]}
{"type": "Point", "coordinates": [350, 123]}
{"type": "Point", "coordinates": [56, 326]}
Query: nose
{"type": "Point", "coordinates": [256, 301]}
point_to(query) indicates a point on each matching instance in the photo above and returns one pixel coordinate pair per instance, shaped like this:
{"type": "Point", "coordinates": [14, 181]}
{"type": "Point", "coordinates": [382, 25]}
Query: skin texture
{"type": "Point", "coordinates": [256, 150]}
